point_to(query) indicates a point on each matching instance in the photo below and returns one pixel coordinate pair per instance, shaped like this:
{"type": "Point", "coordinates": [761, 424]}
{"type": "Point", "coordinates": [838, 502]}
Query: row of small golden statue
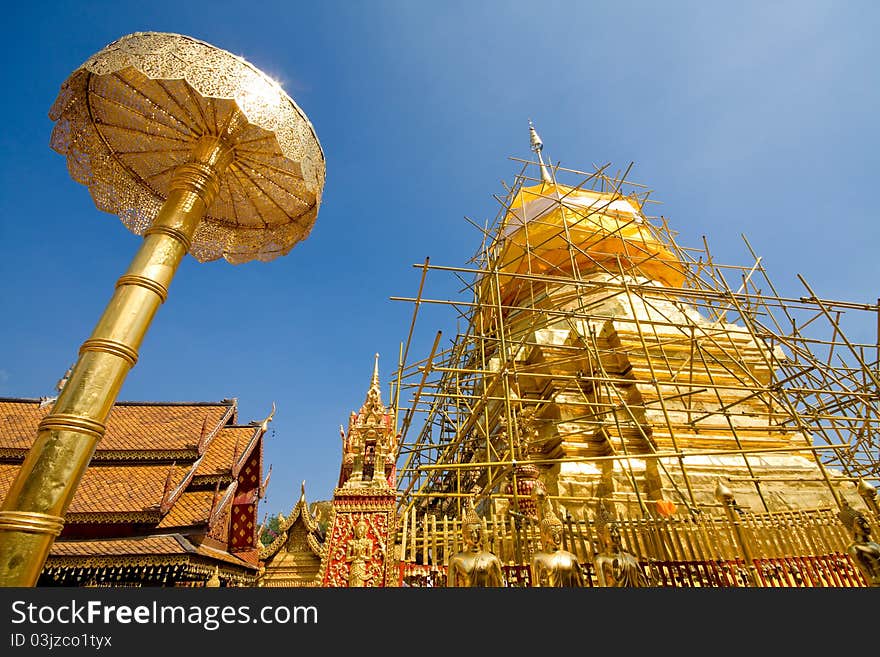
{"type": "Point", "coordinates": [555, 567]}
{"type": "Point", "coordinates": [552, 566]}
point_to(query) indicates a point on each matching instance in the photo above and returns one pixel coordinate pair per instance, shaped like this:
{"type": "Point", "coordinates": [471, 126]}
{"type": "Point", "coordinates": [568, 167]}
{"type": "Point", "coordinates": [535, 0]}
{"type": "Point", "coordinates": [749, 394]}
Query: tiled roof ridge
{"type": "Point", "coordinates": [232, 402]}
{"type": "Point", "coordinates": [168, 500]}
{"type": "Point", "coordinates": [167, 503]}
{"type": "Point", "coordinates": [190, 474]}
{"type": "Point", "coordinates": [239, 462]}
{"type": "Point", "coordinates": [217, 508]}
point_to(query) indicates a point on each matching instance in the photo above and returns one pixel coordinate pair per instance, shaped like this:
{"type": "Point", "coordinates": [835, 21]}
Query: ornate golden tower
{"type": "Point", "coordinates": [359, 548]}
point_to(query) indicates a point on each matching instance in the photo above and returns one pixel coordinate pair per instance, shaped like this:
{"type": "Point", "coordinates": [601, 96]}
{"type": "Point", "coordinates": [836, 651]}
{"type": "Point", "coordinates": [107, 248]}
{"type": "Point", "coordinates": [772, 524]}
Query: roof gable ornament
{"type": "Point", "coordinates": [165, 504]}
{"type": "Point", "coordinates": [204, 434]}
{"type": "Point", "coordinates": [264, 425]}
{"type": "Point", "coordinates": [265, 484]}
{"type": "Point", "coordinates": [299, 513]}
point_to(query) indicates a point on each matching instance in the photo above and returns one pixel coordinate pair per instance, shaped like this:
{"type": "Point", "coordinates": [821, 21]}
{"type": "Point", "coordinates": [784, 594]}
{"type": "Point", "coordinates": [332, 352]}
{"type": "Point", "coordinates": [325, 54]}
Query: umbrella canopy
{"type": "Point", "coordinates": [132, 113]}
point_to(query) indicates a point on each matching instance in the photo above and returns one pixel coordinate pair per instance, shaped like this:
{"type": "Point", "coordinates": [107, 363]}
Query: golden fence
{"type": "Point", "coordinates": [780, 549]}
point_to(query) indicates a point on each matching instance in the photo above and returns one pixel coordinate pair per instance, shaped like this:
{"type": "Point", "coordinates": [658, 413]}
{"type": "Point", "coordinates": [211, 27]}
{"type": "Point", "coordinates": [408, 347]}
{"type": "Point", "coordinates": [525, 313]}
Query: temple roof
{"type": "Point", "coordinates": [133, 550]}
{"type": "Point", "coordinates": [158, 491]}
{"type": "Point", "coordinates": [111, 489]}
{"type": "Point", "coordinates": [171, 426]}
{"type": "Point", "coordinates": [230, 443]}
{"type": "Point", "coordinates": [163, 544]}
{"type": "Point", "coordinates": [299, 513]}
{"type": "Point", "coordinates": [170, 465]}
{"type": "Point", "coordinates": [191, 508]}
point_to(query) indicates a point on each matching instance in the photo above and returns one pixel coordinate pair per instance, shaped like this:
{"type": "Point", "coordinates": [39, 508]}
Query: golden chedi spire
{"type": "Point", "coordinates": [537, 146]}
{"type": "Point", "coordinates": [543, 220]}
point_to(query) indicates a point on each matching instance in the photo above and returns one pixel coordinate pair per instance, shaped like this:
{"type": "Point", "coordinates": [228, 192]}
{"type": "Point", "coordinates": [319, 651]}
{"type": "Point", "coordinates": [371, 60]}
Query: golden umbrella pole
{"type": "Point", "coordinates": [231, 167]}
{"type": "Point", "coordinates": [33, 512]}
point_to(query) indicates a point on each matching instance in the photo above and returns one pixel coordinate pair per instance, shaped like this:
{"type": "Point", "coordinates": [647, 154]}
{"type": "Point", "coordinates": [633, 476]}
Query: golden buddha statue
{"type": "Point", "coordinates": [615, 566]}
{"type": "Point", "coordinates": [474, 566]}
{"type": "Point", "coordinates": [214, 579]}
{"type": "Point", "coordinates": [864, 552]}
{"type": "Point", "coordinates": [359, 552]}
{"type": "Point", "coordinates": [553, 566]}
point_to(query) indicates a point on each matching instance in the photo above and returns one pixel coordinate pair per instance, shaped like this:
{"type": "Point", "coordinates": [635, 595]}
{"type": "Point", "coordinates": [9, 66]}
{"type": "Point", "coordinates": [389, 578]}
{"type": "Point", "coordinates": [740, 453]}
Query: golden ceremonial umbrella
{"type": "Point", "coordinates": [198, 151]}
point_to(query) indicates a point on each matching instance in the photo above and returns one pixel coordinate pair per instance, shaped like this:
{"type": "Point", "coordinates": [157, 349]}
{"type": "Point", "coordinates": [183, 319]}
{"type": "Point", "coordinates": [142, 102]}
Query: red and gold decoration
{"type": "Point", "coordinates": [357, 550]}
{"type": "Point", "coordinates": [363, 522]}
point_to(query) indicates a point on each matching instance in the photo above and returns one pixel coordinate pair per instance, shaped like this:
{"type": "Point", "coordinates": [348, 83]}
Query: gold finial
{"type": "Point", "coordinates": [302, 490]}
{"type": "Point", "coordinates": [723, 494]}
{"type": "Point", "coordinates": [603, 518]}
{"type": "Point", "coordinates": [214, 581]}
{"type": "Point", "coordinates": [63, 380]}
{"type": "Point", "coordinates": [537, 146]}
{"type": "Point", "coordinates": [264, 425]}
{"type": "Point", "coordinates": [374, 394]}
{"type": "Point", "coordinates": [471, 519]}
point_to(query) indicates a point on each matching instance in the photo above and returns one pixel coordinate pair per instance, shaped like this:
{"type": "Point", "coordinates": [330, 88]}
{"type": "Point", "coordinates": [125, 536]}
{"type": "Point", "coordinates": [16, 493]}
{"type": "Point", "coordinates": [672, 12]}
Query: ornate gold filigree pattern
{"type": "Point", "coordinates": [131, 114]}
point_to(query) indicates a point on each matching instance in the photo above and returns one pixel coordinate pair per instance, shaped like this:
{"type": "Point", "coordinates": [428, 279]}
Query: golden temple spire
{"type": "Point", "coordinates": [537, 146]}
{"type": "Point", "coordinates": [374, 394]}
{"type": "Point", "coordinates": [374, 382]}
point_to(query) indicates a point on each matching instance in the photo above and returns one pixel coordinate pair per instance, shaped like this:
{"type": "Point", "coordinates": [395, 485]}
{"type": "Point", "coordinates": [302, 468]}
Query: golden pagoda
{"type": "Point", "coordinates": [721, 433]}
{"type": "Point", "coordinates": [613, 414]}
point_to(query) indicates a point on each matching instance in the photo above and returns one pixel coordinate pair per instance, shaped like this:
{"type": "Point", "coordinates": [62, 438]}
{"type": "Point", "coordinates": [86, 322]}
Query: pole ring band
{"type": "Point", "coordinates": [31, 522]}
{"type": "Point", "coordinates": [180, 236]}
{"type": "Point", "coordinates": [143, 281]}
{"type": "Point", "coordinates": [197, 178]}
{"type": "Point", "coordinates": [67, 422]}
{"type": "Point", "coordinates": [111, 347]}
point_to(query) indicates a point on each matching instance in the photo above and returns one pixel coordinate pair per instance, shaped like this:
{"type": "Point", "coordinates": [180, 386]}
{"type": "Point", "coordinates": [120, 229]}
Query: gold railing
{"type": "Point", "coordinates": [797, 548]}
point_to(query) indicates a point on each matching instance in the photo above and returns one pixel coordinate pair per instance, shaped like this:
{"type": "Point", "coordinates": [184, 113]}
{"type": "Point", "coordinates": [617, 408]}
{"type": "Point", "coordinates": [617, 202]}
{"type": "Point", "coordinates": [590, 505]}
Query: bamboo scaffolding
{"type": "Point", "coordinates": [757, 374]}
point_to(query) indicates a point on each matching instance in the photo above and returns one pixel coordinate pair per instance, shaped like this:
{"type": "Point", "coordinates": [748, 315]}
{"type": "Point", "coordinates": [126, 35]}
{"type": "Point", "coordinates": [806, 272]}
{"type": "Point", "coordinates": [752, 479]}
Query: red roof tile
{"type": "Point", "coordinates": [115, 548]}
{"type": "Point", "coordinates": [218, 458]}
{"type": "Point", "coordinates": [131, 426]}
{"type": "Point", "coordinates": [110, 547]}
{"type": "Point", "coordinates": [191, 508]}
{"type": "Point", "coordinates": [111, 488]}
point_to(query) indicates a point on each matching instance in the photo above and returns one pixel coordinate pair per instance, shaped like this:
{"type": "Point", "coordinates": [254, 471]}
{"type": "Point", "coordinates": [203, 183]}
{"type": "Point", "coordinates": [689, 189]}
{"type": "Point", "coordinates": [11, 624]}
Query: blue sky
{"type": "Point", "coordinates": [751, 117]}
